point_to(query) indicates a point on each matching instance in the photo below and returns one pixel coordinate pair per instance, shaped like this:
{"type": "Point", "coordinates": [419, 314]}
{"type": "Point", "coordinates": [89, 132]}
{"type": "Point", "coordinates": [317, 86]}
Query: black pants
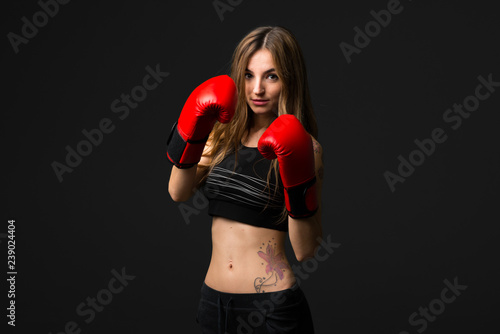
{"type": "Point", "coordinates": [285, 311]}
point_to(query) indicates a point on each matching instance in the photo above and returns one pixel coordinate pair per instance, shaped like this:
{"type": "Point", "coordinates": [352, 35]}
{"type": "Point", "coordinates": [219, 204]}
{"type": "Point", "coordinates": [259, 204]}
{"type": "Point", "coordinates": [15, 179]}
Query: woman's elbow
{"type": "Point", "coordinates": [303, 257]}
{"type": "Point", "coordinates": [305, 254]}
{"type": "Point", "coordinates": [177, 196]}
{"type": "Point", "coordinates": [177, 199]}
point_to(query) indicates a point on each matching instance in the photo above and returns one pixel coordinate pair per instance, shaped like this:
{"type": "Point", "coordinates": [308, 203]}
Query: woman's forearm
{"type": "Point", "coordinates": [305, 235]}
{"type": "Point", "coordinates": [181, 185]}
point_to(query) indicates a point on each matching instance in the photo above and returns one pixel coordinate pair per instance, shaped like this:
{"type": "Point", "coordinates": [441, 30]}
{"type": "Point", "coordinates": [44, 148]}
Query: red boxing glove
{"type": "Point", "coordinates": [213, 100]}
{"type": "Point", "coordinates": [287, 140]}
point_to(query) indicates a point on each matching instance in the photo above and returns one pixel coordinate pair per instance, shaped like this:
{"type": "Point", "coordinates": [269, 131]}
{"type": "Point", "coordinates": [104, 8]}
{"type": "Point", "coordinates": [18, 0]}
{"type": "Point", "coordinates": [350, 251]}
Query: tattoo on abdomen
{"type": "Point", "coordinates": [276, 266]}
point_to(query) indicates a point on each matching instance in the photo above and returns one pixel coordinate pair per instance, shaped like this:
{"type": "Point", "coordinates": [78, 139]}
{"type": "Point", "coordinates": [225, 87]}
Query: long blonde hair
{"type": "Point", "coordinates": [294, 97]}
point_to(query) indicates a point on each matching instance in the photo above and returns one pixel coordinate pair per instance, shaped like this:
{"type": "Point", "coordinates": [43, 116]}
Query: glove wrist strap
{"type": "Point", "coordinates": [301, 200]}
{"type": "Point", "coordinates": [184, 153]}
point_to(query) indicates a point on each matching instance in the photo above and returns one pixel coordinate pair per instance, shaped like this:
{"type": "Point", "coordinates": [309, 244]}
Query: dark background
{"type": "Point", "coordinates": [114, 210]}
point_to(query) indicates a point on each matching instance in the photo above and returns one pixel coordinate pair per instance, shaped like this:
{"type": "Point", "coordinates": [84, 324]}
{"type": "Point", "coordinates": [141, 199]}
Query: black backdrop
{"type": "Point", "coordinates": [394, 250]}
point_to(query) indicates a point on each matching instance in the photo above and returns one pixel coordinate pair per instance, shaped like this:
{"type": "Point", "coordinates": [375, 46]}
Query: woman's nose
{"type": "Point", "coordinates": [258, 88]}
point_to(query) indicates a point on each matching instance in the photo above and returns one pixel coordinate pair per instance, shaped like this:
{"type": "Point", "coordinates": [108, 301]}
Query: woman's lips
{"type": "Point", "coordinates": [260, 102]}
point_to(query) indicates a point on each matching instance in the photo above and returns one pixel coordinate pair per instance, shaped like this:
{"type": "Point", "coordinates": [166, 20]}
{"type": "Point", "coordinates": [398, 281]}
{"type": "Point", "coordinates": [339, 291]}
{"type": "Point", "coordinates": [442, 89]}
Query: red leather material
{"type": "Point", "coordinates": [288, 141]}
{"type": "Point", "coordinates": [214, 100]}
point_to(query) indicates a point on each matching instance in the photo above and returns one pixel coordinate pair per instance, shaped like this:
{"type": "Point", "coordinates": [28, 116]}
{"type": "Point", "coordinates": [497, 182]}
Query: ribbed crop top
{"type": "Point", "coordinates": [242, 194]}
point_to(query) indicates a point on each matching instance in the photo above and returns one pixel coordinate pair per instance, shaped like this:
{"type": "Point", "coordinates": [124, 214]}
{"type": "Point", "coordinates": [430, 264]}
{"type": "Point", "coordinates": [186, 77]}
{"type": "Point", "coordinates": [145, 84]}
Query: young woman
{"type": "Point", "coordinates": [260, 166]}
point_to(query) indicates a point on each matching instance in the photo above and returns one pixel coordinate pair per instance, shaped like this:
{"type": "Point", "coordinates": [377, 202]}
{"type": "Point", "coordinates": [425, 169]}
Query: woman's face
{"type": "Point", "coordinates": [262, 85]}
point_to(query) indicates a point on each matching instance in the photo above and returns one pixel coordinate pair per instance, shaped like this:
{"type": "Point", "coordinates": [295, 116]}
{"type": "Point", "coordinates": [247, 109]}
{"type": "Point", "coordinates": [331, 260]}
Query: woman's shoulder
{"type": "Point", "coordinates": [318, 158]}
{"type": "Point", "coordinates": [317, 148]}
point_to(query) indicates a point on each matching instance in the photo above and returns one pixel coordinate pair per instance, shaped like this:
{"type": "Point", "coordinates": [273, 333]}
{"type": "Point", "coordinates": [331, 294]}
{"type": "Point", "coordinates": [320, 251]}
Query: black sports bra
{"type": "Point", "coordinates": [242, 194]}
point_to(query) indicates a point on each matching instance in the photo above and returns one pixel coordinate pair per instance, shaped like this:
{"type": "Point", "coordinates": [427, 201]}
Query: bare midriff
{"type": "Point", "coordinates": [247, 259]}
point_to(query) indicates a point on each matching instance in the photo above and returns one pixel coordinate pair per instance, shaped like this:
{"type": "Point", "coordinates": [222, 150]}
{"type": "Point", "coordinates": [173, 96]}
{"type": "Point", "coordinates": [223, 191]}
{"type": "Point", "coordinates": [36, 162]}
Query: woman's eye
{"type": "Point", "coordinates": [273, 77]}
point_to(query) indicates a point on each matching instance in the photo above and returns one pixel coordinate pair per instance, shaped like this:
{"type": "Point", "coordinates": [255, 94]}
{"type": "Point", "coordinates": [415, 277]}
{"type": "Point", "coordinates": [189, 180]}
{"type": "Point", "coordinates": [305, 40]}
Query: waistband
{"type": "Point", "coordinates": [227, 302]}
{"type": "Point", "coordinates": [285, 297]}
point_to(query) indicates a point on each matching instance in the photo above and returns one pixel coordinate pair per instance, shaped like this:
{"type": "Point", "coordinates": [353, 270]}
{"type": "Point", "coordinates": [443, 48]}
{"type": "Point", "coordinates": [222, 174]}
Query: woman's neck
{"type": "Point", "coordinates": [260, 122]}
{"type": "Point", "coordinates": [258, 125]}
